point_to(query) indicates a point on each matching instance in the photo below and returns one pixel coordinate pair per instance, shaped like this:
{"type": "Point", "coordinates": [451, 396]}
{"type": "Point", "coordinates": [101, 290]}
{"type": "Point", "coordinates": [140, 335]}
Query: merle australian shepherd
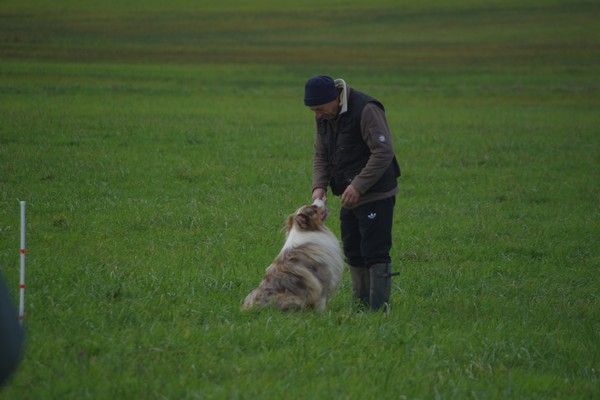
{"type": "Point", "coordinates": [306, 271]}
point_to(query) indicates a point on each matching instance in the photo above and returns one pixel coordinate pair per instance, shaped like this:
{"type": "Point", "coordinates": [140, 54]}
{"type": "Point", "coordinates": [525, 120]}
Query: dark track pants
{"type": "Point", "coordinates": [367, 233]}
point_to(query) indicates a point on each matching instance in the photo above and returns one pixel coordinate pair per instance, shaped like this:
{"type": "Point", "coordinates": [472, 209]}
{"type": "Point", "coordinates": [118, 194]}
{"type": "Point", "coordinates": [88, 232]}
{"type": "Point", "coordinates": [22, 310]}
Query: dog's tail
{"type": "Point", "coordinates": [288, 287]}
{"type": "Point", "coordinates": [301, 288]}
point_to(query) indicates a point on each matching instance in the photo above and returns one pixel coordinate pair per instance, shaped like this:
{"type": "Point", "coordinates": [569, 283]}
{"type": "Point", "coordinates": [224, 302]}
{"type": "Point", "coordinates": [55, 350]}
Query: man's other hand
{"type": "Point", "coordinates": [350, 197]}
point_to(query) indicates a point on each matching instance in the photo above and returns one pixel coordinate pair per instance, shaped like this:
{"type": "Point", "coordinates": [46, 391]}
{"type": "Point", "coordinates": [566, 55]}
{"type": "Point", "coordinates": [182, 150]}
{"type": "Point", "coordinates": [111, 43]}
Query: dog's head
{"type": "Point", "coordinates": [306, 218]}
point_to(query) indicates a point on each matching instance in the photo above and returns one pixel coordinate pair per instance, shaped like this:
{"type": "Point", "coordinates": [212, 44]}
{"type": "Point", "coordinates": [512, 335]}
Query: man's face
{"type": "Point", "coordinates": [327, 110]}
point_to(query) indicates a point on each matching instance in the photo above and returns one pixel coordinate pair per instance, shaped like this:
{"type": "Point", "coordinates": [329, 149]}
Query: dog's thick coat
{"type": "Point", "coordinates": [306, 271]}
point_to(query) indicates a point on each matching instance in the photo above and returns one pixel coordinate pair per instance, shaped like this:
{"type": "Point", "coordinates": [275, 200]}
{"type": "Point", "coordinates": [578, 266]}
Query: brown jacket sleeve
{"type": "Point", "coordinates": [376, 134]}
{"type": "Point", "coordinates": [320, 177]}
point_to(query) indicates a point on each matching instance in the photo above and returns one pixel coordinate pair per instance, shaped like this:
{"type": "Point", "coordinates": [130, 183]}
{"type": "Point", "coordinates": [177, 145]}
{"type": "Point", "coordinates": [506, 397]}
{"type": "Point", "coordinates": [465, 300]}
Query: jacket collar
{"type": "Point", "coordinates": [341, 84]}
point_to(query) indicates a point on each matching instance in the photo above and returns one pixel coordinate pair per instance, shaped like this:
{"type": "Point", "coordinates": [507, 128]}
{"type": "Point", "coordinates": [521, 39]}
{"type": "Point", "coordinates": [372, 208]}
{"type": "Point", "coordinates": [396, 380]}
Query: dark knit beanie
{"type": "Point", "coordinates": [319, 90]}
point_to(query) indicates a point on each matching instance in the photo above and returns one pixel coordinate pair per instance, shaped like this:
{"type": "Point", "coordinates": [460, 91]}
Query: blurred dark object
{"type": "Point", "coordinates": [11, 335]}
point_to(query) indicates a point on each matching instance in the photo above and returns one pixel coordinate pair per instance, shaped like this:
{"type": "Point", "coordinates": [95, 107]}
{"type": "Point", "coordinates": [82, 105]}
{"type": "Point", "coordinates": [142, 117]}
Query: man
{"type": "Point", "coordinates": [354, 155]}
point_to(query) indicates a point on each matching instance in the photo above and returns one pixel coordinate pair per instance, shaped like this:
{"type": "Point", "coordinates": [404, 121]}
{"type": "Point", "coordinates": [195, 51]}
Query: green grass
{"type": "Point", "coordinates": [160, 146]}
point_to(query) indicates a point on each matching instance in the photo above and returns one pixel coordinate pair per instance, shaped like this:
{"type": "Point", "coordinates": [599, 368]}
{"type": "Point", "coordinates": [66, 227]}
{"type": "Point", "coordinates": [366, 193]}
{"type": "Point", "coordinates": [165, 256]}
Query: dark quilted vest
{"type": "Point", "coordinates": [347, 153]}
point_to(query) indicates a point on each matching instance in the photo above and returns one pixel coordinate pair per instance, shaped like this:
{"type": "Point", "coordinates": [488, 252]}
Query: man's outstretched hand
{"type": "Point", "coordinates": [319, 193]}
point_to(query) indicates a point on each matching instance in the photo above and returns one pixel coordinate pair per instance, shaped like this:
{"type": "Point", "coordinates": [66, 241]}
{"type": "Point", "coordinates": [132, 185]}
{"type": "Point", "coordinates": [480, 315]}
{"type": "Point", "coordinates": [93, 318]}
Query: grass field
{"type": "Point", "coordinates": [160, 145]}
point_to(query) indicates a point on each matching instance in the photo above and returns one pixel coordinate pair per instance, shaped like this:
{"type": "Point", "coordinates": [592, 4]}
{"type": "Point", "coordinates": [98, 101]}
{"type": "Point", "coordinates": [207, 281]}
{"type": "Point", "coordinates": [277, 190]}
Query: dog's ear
{"type": "Point", "coordinates": [289, 222]}
{"type": "Point", "coordinates": [316, 221]}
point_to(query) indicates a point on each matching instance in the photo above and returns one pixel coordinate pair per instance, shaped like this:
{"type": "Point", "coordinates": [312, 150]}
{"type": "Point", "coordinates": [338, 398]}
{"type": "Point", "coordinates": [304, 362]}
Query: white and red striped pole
{"type": "Point", "coordinates": [22, 251]}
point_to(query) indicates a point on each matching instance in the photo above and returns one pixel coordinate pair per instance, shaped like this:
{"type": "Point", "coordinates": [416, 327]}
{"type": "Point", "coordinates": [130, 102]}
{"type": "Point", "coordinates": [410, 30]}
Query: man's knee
{"type": "Point", "coordinates": [352, 251]}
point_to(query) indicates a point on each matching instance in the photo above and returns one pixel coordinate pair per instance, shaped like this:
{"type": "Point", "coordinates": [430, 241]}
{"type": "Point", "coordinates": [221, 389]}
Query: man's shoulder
{"type": "Point", "coordinates": [359, 101]}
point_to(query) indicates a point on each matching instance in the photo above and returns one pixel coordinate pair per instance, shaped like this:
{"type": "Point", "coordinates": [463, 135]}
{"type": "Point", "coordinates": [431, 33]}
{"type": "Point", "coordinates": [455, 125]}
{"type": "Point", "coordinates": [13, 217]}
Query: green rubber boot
{"type": "Point", "coordinates": [381, 285]}
{"type": "Point", "coordinates": [360, 284]}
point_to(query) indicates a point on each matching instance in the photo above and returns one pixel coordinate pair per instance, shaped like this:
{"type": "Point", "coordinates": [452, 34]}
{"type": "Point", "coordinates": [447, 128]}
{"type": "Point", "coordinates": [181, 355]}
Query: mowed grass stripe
{"type": "Point", "coordinates": [538, 34]}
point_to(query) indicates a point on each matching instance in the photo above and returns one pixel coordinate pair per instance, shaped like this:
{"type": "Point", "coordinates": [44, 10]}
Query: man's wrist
{"type": "Point", "coordinates": [318, 192]}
